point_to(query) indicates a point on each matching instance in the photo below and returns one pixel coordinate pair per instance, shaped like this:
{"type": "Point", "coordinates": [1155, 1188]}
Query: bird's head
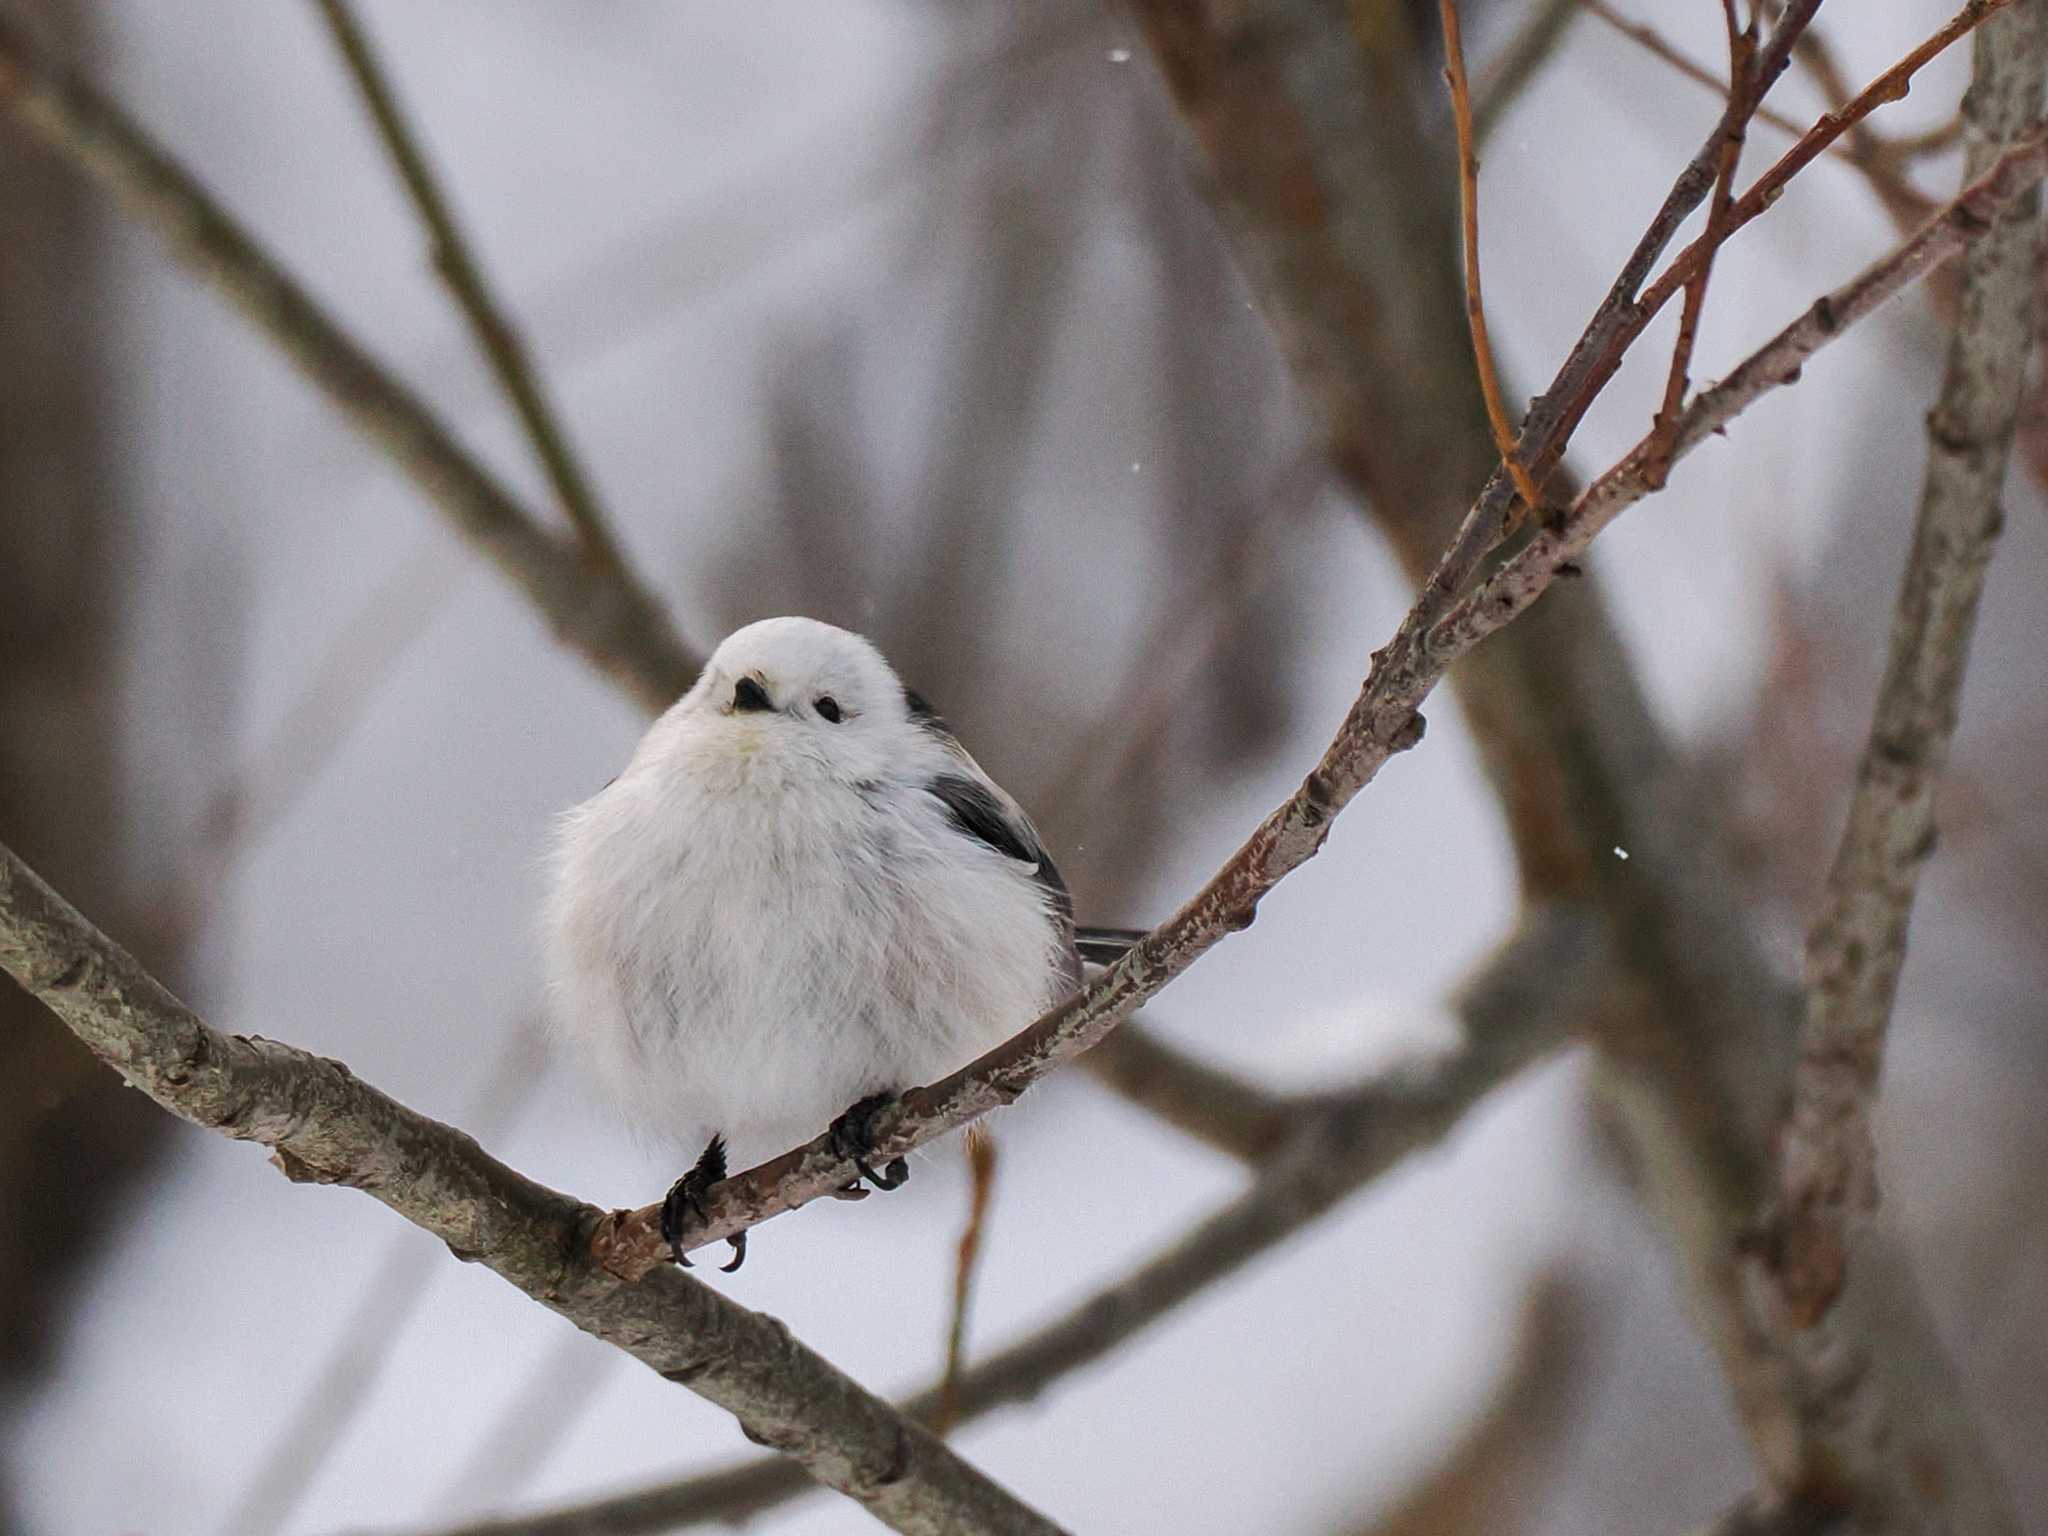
{"type": "Point", "coordinates": [799, 695]}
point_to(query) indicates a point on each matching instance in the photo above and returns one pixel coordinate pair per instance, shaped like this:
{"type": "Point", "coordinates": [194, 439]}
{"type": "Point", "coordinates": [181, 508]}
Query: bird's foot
{"type": "Point", "coordinates": [853, 1138]}
{"type": "Point", "coordinates": [686, 1198]}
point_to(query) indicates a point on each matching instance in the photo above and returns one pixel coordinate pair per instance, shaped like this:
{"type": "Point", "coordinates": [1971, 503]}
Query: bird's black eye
{"type": "Point", "coordinates": [827, 708]}
{"type": "Point", "coordinates": [749, 695]}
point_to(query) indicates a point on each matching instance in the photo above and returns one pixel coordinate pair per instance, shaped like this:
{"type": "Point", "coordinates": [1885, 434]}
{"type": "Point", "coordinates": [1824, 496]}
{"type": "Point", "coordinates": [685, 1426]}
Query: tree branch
{"type": "Point", "coordinates": [1964, 222]}
{"type": "Point", "coordinates": [1890, 86]}
{"type": "Point", "coordinates": [1877, 158]}
{"type": "Point", "coordinates": [1734, 128]}
{"type": "Point", "coordinates": [1468, 220]}
{"type": "Point", "coordinates": [1382, 721]}
{"type": "Point", "coordinates": [327, 1126]}
{"type": "Point", "coordinates": [1525, 1001]}
{"type": "Point", "coordinates": [1827, 1189]}
{"type": "Point", "coordinates": [604, 614]}
{"type": "Point", "coordinates": [1857, 945]}
{"type": "Point", "coordinates": [458, 267]}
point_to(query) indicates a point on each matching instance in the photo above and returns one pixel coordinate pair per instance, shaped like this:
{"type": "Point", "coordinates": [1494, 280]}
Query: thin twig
{"type": "Point", "coordinates": [1626, 312]}
{"type": "Point", "coordinates": [327, 1126]}
{"type": "Point", "coordinates": [1877, 158]}
{"type": "Point", "coordinates": [1654, 43]}
{"type": "Point", "coordinates": [1382, 721]}
{"type": "Point", "coordinates": [607, 616]}
{"type": "Point", "coordinates": [1468, 218]}
{"type": "Point", "coordinates": [1857, 945]}
{"type": "Point", "coordinates": [1524, 1002]}
{"type": "Point", "coordinates": [464, 277]}
{"type": "Point", "coordinates": [1734, 127]}
{"type": "Point", "coordinates": [981, 1183]}
{"type": "Point", "coordinates": [1890, 86]}
{"type": "Point", "coordinates": [1520, 581]}
{"type": "Point", "coordinates": [1819, 61]}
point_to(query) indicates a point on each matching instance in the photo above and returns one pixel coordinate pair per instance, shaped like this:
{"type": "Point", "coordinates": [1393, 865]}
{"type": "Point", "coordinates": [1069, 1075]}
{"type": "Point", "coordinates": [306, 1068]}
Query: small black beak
{"type": "Point", "coordinates": [750, 695]}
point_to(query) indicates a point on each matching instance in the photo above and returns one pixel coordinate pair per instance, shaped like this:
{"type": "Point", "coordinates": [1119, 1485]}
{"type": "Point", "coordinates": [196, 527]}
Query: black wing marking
{"type": "Point", "coordinates": [981, 814]}
{"type": "Point", "coordinates": [978, 812]}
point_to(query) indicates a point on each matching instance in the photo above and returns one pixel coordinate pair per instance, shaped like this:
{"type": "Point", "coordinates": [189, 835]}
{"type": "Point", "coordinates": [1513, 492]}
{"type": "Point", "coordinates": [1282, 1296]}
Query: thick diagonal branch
{"type": "Point", "coordinates": [1528, 998]}
{"type": "Point", "coordinates": [327, 1126]}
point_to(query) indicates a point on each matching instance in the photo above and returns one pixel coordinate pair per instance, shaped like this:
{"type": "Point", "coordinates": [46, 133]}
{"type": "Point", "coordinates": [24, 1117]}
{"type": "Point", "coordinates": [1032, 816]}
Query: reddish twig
{"type": "Point", "coordinates": [1625, 314]}
{"type": "Point", "coordinates": [1519, 582]}
{"type": "Point", "coordinates": [1615, 325]}
{"type": "Point", "coordinates": [1890, 86]}
{"type": "Point", "coordinates": [1856, 948]}
{"type": "Point", "coordinates": [1468, 218]}
{"type": "Point", "coordinates": [1382, 721]}
{"type": "Point", "coordinates": [981, 1184]}
{"type": "Point", "coordinates": [1732, 130]}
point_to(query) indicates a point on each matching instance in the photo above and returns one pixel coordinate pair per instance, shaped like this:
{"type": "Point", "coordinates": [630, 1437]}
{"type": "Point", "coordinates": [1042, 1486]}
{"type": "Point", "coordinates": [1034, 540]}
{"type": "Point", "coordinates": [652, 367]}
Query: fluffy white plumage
{"type": "Point", "coordinates": [771, 914]}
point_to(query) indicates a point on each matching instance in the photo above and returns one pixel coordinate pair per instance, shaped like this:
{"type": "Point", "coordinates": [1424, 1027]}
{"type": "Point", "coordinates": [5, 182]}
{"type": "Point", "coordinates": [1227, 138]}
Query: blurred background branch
{"type": "Point", "coordinates": [1015, 419]}
{"type": "Point", "coordinates": [458, 268]}
{"type": "Point", "coordinates": [599, 611]}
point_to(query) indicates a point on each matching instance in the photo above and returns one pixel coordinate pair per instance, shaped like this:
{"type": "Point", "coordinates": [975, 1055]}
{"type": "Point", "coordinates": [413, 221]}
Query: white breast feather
{"type": "Point", "coordinates": [738, 947]}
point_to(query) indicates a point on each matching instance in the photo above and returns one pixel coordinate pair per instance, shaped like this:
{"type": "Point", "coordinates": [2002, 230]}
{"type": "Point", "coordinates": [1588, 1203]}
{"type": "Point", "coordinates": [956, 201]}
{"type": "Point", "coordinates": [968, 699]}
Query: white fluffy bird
{"type": "Point", "coordinates": [800, 896]}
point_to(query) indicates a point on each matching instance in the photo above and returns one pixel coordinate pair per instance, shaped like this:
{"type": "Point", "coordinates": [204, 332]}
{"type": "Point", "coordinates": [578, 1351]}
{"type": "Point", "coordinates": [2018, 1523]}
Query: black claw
{"type": "Point", "coordinates": [738, 1243]}
{"type": "Point", "coordinates": [853, 1138]}
{"type": "Point", "coordinates": [686, 1198]}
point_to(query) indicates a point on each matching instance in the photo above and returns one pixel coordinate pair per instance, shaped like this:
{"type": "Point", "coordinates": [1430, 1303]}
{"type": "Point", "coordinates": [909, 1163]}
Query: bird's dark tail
{"type": "Point", "coordinates": [1105, 946]}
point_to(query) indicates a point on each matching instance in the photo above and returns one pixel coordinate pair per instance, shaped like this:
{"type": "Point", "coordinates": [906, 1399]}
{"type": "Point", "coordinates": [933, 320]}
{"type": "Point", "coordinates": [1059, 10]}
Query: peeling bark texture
{"type": "Point", "coordinates": [325, 1126]}
{"type": "Point", "coordinates": [1526, 1001]}
{"type": "Point", "coordinates": [597, 610]}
